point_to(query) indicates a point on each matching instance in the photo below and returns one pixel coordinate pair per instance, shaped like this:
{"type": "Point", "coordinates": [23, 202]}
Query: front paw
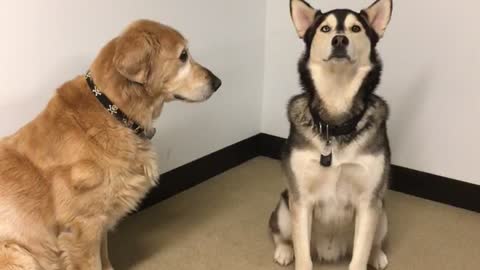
{"type": "Point", "coordinates": [283, 255]}
{"type": "Point", "coordinates": [378, 259]}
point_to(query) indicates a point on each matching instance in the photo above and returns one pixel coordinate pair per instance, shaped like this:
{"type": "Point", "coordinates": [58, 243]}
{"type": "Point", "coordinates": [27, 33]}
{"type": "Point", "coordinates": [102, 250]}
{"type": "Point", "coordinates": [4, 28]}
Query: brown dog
{"type": "Point", "coordinates": [68, 176]}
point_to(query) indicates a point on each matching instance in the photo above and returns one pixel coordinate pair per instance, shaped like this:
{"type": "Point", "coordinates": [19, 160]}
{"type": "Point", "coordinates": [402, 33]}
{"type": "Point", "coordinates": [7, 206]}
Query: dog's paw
{"type": "Point", "coordinates": [378, 259]}
{"type": "Point", "coordinates": [283, 254]}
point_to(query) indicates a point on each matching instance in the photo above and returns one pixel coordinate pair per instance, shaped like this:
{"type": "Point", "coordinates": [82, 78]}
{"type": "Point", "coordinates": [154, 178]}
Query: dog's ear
{"type": "Point", "coordinates": [132, 57]}
{"type": "Point", "coordinates": [378, 15]}
{"type": "Point", "coordinates": [302, 15]}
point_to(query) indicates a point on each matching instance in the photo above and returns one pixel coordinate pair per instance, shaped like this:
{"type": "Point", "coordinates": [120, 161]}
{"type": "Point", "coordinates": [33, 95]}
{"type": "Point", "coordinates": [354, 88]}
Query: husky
{"type": "Point", "coordinates": [337, 155]}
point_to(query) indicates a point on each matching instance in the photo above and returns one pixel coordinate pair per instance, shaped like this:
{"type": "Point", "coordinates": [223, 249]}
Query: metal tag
{"type": "Point", "coordinates": [327, 154]}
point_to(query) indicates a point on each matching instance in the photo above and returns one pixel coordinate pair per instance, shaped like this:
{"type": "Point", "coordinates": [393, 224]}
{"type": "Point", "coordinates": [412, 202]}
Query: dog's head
{"type": "Point", "coordinates": [157, 57]}
{"type": "Point", "coordinates": [340, 37]}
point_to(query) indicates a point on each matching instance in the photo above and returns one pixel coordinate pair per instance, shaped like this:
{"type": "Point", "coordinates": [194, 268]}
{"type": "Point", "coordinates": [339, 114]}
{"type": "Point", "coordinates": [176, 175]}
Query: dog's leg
{"type": "Point", "coordinates": [301, 233]}
{"type": "Point", "coordinates": [366, 220]}
{"type": "Point", "coordinates": [281, 229]}
{"type": "Point", "coordinates": [302, 174]}
{"type": "Point", "coordinates": [378, 259]}
{"type": "Point", "coordinates": [106, 265]}
{"type": "Point", "coordinates": [80, 242]}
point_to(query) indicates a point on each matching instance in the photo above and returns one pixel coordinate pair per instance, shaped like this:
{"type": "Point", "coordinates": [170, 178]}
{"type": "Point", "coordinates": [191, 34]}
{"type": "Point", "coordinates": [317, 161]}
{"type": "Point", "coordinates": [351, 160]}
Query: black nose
{"type": "Point", "coordinates": [340, 41]}
{"type": "Point", "coordinates": [215, 82]}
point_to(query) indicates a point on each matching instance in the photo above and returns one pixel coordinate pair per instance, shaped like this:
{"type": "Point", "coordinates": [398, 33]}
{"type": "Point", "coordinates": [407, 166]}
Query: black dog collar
{"type": "Point", "coordinates": [345, 128]}
{"type": "Point", "coordinates": [114, 110]}
{"type": "Point", "coordinates": [331, 131]}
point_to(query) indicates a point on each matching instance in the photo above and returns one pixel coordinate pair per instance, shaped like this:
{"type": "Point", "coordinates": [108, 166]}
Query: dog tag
{"type": "Point", "coordinates": [327, 156]}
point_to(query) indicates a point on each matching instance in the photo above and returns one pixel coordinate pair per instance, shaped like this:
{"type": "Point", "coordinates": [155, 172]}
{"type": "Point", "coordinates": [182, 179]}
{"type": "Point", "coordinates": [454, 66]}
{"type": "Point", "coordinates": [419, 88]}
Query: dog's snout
{"type": "Point", "coordinates": [214, 81]}
{"type": "Point", "coordinates": [340, 41]}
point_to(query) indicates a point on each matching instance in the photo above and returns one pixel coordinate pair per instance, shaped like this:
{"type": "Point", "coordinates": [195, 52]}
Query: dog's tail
{"type": "Point", "coordinates": [14, 257]}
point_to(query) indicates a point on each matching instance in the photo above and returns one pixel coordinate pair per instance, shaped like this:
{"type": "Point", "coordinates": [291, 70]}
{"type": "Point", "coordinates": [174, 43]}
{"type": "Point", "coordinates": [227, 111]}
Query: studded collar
{"type": "Point", "coordinates": [115, 111]}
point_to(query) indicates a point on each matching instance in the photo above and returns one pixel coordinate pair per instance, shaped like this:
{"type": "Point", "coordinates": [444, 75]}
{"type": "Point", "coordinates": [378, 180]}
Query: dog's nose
{"type": "Point", "coordinates": [340, 41]}
{"type": "Point", "coordinates": [214, 81]}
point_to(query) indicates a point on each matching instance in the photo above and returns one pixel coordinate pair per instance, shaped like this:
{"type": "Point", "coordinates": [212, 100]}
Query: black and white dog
{"type": "Point", "coordinates": [337, 156]}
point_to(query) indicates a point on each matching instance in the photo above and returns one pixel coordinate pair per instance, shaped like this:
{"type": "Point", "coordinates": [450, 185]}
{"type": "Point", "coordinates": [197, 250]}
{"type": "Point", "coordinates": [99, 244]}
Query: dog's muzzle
{"type": "Point", "coordinates": [339, 47]}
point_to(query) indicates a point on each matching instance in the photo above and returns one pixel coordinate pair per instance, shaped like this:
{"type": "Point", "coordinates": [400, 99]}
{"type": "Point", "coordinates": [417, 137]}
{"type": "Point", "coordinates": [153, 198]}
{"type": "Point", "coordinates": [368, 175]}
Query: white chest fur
{"type": "Point", "coordinates": [335, 190]}
{"type": "Point", "coordinates": [129, 187]}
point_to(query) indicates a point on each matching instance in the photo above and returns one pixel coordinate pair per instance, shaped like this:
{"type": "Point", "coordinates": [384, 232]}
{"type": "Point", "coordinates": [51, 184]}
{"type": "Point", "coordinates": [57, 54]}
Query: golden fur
{"type": "Point", "coordinates": [72, 173]}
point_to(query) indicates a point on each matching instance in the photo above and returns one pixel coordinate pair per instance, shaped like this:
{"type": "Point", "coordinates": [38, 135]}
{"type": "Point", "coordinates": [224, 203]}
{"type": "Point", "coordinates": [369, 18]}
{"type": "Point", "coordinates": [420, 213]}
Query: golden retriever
{"type": "Point", "coordinates": [72, 173]}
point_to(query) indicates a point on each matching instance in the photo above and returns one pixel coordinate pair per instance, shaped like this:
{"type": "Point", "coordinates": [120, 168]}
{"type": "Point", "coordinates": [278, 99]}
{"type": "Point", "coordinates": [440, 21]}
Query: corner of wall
{"type": "Point", "coordinates": [265, 66]}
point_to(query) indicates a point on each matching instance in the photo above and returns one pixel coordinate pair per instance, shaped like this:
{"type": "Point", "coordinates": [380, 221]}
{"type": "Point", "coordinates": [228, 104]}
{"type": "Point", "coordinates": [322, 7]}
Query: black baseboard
{"type": "Point", "coordinates": [270, 146]}
{"type": "Point", "coordinates": [436, 188]}
{"type": "Point", "coordinates": [420, 184]}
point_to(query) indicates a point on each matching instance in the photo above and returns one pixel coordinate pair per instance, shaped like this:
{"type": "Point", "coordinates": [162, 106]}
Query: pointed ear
{"type": "Point", "coordinates": [378, 15]}
{"type": "Point", "coordinates": [132, 57]}
{"type": "Point", "coordinates": [302, 15]}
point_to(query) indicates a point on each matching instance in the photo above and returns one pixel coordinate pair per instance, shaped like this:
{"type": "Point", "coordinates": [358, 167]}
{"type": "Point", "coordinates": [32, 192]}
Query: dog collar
{"type": "Point", "coordinates": [114, 110]}
{"type": "Point", "coordinates": [345, 128]}
{"type": "Point", "coordinates": [331, 131]}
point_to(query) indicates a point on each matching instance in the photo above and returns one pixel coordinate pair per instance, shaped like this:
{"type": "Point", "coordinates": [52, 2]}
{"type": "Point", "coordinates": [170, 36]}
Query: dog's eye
{"type": "Point", "coordinates": [326, 29]}
{"type": "Point", "coordinates": [184, 56]}
{"type": "Point", "coordinates": [356, 29]}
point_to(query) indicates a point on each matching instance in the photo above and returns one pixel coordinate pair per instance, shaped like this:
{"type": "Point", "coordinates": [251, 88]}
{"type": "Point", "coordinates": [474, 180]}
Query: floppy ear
{"type": "Point", "coordinates": [378, 15]}
{"type": "Point", "coordinates": [302, 15]}
{"type": "Point", "coordinates": [132, 57]}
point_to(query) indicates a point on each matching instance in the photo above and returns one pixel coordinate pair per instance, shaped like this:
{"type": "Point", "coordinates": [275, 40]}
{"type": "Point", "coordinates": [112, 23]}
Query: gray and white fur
{"type": "Point", "coordinates": [329, 212]}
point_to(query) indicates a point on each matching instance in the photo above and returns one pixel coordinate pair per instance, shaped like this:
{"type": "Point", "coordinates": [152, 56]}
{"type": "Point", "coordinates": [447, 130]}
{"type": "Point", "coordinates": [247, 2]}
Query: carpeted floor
{"type": "Point", "coordinates": [222, 224]}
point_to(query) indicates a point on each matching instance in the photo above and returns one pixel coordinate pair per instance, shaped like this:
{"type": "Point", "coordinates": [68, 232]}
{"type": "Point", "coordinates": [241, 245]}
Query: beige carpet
{"type": "Point", "coordinates": [222, 224]}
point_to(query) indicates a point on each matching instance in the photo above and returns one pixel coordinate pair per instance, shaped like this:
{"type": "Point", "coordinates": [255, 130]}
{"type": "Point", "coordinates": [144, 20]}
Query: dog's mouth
{"type": "Point", "coordinates": [184, 99]}
{"type": "Point", "coordinates": [178, 97]}
{"type": "Point", "coordinates": [339, 56]}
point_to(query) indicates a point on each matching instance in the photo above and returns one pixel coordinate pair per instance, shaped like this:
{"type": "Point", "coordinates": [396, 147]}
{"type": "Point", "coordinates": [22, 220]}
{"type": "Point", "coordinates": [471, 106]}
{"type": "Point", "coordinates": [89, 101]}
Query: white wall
{"type": "Point", "coordinates": [431, 80]}
{"type": "Point", "coordinates": [45, 43]}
